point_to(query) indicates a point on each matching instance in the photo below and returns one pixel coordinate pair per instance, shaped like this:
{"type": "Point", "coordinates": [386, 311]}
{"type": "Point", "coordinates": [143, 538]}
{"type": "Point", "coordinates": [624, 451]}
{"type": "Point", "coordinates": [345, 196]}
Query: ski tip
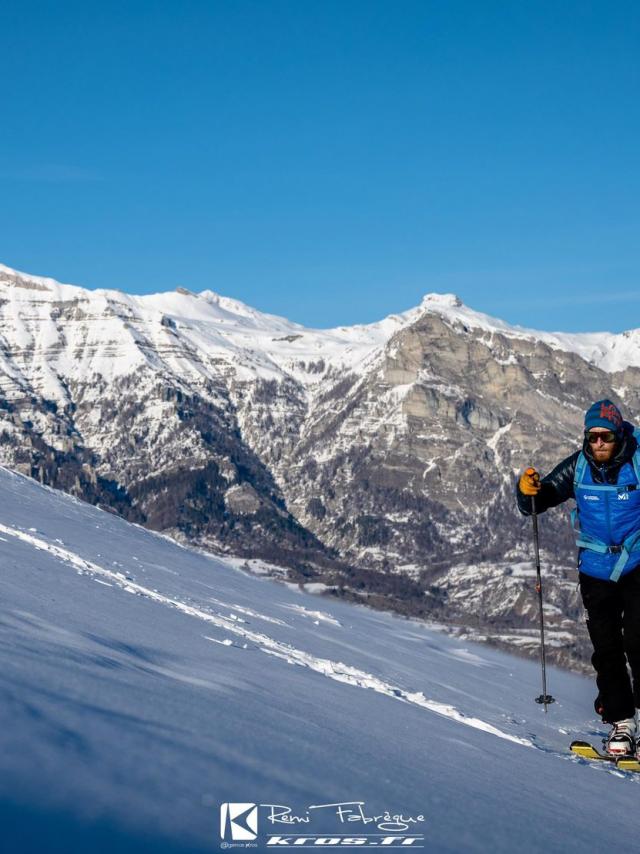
{"type": "Point", "coordinates": [588, 751]}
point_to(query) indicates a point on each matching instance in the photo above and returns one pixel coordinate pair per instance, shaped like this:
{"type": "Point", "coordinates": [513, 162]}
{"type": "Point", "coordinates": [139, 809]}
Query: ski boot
{"type": "Point", "coordinates": [622, 738]}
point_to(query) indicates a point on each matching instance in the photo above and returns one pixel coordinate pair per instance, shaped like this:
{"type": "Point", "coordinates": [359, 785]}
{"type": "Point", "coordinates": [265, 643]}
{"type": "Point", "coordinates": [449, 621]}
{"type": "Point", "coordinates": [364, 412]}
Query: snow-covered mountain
{"type": "Point", "coordinates": [379, 459]}
{"type": "Point", "coordinates": [110, 334]}
{"type": "Point", "coordinates": [145, 684]}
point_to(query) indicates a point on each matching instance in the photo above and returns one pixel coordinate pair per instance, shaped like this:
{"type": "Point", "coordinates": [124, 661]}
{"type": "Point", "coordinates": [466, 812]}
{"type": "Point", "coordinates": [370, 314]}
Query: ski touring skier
{"type": "Point", "coordinates": [604, 479]}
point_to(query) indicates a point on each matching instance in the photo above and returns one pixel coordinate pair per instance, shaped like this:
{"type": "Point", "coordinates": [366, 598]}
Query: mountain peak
{"type": "Point", "coordinates": [443, 300]}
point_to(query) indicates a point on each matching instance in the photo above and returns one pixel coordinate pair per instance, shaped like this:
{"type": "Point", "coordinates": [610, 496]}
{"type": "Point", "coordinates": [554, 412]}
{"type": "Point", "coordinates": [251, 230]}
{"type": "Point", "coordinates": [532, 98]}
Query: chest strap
{"type": "Point", "coordinates": [629, 546]}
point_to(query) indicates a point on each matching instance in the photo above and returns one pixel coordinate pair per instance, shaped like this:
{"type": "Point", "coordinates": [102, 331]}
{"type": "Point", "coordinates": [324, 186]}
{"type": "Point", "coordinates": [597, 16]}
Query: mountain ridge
{"type": "Point", "coordinates": [597, 347]}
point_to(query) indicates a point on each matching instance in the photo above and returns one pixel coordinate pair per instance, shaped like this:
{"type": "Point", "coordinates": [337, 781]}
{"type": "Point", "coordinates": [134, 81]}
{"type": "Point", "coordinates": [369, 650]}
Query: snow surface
{"type": "Point", "coordinates": [144, 684]}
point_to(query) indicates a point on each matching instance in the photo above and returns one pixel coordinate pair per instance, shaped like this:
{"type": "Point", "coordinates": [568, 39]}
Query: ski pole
{"type": "Point", "coordinates": [544, 698]}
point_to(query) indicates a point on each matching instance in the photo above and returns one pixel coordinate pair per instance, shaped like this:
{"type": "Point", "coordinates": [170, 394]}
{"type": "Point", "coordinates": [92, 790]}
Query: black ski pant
{"type": "Point", "coordinates": [613, 620]}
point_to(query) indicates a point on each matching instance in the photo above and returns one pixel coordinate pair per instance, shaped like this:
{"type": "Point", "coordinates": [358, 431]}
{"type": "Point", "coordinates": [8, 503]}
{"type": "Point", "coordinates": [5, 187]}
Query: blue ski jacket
{"type": "Point", "coordinates": [607, 515]}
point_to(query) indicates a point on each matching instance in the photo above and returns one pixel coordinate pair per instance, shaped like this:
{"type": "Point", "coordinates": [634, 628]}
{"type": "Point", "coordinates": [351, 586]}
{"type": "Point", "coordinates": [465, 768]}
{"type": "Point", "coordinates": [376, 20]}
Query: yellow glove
{"type": "Point", "coordinates": [530, 482]}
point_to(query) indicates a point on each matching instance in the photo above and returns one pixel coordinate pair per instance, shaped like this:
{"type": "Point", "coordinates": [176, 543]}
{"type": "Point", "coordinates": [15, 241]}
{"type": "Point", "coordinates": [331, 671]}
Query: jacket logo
{"type": "Point", "coordinates": [623, 496]}
{"type": "Point", "coordinates": [591, 498]}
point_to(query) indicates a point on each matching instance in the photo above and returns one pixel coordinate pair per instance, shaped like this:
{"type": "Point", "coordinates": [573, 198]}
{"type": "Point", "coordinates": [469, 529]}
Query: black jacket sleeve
{"type": "Point", "coordinates": [555, 487]}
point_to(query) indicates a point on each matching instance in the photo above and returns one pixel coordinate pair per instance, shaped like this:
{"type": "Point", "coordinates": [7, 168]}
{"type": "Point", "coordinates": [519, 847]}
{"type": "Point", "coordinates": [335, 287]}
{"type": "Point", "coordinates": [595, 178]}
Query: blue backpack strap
{"type": "Point", "coordinates": [586, 541]}
{"type": "Point", "coordinates": [620, 565]}
{"type": "Point", "coordinates": [578, 476]}
{"type": "Point", "coordinates": [636, 457]}
{"type": "Point", "coordinates": [581, 466]}
{"type": "Point", "coordinates": [631, 544]}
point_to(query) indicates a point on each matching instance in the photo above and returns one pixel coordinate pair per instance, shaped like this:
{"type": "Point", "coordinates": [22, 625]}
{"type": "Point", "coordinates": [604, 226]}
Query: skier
{"type": "Point", "coordinates": [604, 479]}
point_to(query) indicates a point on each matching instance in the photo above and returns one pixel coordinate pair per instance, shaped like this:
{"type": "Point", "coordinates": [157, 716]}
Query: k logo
{"type": "Point", "coordinates": [238, 821]}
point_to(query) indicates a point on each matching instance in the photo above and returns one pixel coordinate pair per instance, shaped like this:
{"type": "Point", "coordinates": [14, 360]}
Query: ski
{"type": "Point", "coordinates": [588, 751]}
{"type": "Point", "coordinates": [628, 763]}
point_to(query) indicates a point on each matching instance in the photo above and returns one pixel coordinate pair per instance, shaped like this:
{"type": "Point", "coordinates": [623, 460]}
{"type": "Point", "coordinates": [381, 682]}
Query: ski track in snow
{"type": "Point", "coordinates": [317, 616]}
{"type": "Point", "coordinates": [335, 670]}
{"type": "Point", "coordinates": [248, 611]}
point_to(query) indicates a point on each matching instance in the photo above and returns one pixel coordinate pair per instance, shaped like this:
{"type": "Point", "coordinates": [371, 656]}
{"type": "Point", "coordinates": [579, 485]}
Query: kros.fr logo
{"type": "Point", "coordinates": [238, 822]}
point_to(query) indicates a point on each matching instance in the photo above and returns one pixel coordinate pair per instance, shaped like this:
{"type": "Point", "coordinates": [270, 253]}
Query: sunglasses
{"type": "Point", "coordinates": [607, 437]}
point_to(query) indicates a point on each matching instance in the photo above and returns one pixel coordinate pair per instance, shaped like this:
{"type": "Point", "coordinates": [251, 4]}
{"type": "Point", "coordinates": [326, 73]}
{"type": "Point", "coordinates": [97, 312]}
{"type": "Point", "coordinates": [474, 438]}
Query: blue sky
{"type": "Point", "coordinates": [330, 161]}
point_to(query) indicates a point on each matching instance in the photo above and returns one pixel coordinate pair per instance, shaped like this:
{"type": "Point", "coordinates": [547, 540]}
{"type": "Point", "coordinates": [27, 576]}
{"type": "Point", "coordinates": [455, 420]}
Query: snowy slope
{"type": "Point", "coordinates": [144, 684]}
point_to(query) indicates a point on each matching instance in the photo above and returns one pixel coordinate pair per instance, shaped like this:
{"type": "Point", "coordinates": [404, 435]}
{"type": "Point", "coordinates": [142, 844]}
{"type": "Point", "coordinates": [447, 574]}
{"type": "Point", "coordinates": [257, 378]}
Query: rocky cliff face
{"type": "Point", "coordinates": [380, 459]}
